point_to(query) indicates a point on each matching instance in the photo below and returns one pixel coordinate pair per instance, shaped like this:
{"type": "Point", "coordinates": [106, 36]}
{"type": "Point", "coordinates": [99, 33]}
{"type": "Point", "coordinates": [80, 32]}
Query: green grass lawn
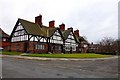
{"type": "Point", "coordinates": [10, 53]}
{"type": "Point", "coordinates": [75, 55]}
{"type": "Point", "coordinates": [82, 55]}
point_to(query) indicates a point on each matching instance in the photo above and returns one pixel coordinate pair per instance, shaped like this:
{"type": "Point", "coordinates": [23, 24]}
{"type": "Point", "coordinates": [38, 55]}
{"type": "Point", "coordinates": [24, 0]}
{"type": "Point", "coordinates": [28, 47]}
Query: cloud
{"type": "Point", "coordinates": [97, 20]}
{"type": "Point", "coordinates": [94, 18]}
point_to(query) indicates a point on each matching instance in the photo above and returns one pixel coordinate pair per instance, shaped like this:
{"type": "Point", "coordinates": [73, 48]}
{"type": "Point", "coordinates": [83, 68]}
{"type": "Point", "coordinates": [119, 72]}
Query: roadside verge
{"type": "Point", "coordinates": [61, 59]}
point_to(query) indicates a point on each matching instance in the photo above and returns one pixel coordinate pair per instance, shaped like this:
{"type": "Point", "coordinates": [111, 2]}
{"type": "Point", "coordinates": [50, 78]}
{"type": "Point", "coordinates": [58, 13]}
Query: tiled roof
{"type": "Point", "coordinates": [66, 33]}
{"type": "Point", "coordinates": [82, 39]}
{"type": "Point", "coordinates": [3, 34]}
{"type": "Point", "coordinates": [32, 28]}
{"type": "Point", "coordinates": [35, 29]}
{"type": "Point", "coordinates": [45, 31]}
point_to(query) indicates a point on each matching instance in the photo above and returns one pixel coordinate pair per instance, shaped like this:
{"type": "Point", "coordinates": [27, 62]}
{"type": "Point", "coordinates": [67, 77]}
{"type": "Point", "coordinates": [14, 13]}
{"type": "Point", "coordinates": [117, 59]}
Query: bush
{"type": "Point", "coordinates": [106, 53]}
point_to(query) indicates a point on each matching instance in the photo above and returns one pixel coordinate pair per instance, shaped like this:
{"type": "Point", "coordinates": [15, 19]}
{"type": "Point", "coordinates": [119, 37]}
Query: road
{"type": "Point", "coordinates": [23, 68]}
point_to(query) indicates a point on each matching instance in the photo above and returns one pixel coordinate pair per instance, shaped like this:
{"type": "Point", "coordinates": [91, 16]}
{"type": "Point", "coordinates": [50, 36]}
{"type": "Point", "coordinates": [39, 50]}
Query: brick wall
{"type": "Point", "coordinates": [20, 46]}
{"type": "Point", "coordinates": [17, 46]}
{"type": "Point", "coordinates": [32, 48]}
{"type": "Point", "coordinates": [55, 48]}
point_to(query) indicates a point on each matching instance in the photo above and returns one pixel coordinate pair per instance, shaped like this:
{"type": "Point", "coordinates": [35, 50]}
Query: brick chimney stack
{"type": "Point", "coordinates": [52, 24]}
{"type": "Point", "coordinates": [76, 32]}
{"type": "Point", "coordinates": [38, 19]}
{"type": "Point", "coordinates": [70, 29]}
{"type": "Point", "coordinates": [62, 27]}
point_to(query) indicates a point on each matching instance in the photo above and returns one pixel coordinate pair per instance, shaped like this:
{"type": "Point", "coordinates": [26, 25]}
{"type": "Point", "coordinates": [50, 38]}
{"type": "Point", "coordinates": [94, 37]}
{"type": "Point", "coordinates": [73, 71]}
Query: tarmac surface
{"type": "Point", "coordinates": [60, 59]}
{"type": "Point", "coordinates": [19, 67]}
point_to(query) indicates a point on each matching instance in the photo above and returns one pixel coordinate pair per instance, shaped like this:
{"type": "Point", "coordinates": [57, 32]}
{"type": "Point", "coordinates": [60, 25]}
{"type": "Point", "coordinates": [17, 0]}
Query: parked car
{"type": "Point", "coordinates": [1, 48]}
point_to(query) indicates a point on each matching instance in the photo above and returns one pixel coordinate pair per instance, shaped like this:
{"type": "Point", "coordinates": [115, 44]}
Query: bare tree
{"type": "Point", "coordinates": [117, 45]}
{"type": "Point", "coordinates": [108, 45]}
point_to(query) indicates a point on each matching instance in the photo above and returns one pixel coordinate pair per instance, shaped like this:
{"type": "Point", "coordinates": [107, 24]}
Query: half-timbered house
{"type": "Point", "coordinates": [35, 37]}
{"type": "Point", "coordinates": [70, 41]}
{"type": "Point", "coordinates": [4, 40]}
{"type": "Point", "coordinates": [83, 44]}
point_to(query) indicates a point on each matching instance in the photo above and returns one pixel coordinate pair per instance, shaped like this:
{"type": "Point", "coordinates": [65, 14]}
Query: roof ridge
{"type": "Point", "coordinates": [26, 20]}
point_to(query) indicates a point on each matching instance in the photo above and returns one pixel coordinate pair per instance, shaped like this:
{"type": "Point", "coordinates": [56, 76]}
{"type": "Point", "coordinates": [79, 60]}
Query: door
{"type": "Point", "coordinates": [25, 46]}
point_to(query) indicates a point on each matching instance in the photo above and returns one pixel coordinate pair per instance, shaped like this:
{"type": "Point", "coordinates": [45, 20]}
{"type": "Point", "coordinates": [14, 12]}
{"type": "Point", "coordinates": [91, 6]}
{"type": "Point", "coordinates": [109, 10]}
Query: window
{"type": "Point", "coordinates": [67, 47]}
{"type": "Point", "coordinates": [19, 33]}
{"type": "Point", "coordinates": [16, 34]}
{"type": "Point", "coordinates": [19, 27]}
{"type": "Point", "coordinates": [40, 46]}
{"type": "Point", "coordinates": [73, 48]}
{"type": "Point", "coordinates": [20, 38]}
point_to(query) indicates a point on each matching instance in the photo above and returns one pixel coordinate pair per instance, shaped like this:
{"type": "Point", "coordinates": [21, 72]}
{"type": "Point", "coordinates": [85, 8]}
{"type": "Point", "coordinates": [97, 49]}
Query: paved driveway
{"type": "Point", "coordinates": [23, 68]}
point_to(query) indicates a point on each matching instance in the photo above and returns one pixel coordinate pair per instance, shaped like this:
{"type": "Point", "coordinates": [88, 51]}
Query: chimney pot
{"type": "Point", "coordinates": [62, 27]}
{"type": "Point", "coordinates": [70, 29]}
{"type": "Point", "coordinates": [76, 32]}
{"type": "Point", "coordinates": [52, 24]}
{"type": "Point", "coordinates": [38, 19]}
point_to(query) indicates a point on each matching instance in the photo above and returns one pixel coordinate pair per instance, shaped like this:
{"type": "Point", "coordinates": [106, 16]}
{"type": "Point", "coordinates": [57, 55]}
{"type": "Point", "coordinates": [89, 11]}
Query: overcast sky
{"type": "Point", "coordinates": [94, 18]}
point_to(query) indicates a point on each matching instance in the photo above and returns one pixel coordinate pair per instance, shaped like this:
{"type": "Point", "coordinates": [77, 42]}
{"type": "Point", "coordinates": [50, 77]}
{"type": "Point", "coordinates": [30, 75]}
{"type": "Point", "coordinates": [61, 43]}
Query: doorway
{"type": "Point", "coordinates": [25, 47]}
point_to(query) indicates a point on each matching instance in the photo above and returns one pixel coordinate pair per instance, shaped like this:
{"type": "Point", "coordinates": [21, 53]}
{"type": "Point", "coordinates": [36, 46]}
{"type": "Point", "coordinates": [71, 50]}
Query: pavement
{"type": "Point", "coordinates": [61, 59]}
{"type": "Point", "coordinates": [17, 67]}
